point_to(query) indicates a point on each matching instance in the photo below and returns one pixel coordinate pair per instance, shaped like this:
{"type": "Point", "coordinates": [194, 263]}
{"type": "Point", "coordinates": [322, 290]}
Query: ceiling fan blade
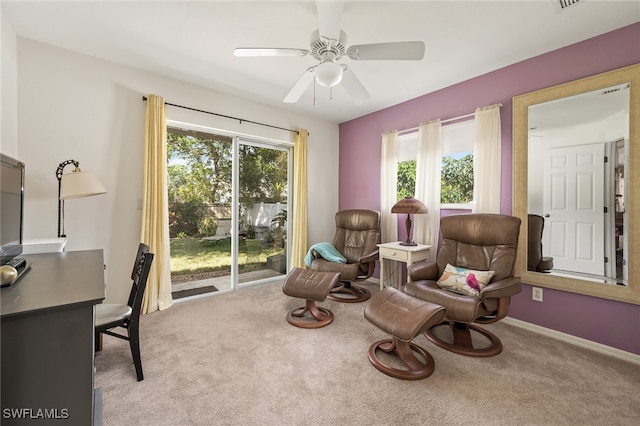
{"type": "Point", "coordinates": [352, 85]}
{"type": "Point", "coordinates": [268, 51]}
{"type": "Point", "coordinates": [401, 50]}
{"type": "Point", "coordinates": [301, 85]}
{"type": "Point", "coordinates": [330, 18]}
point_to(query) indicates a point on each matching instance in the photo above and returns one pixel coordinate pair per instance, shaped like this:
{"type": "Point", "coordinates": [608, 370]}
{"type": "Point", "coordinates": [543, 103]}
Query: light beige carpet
{"type": "Point", "coordinates": [232, 359]}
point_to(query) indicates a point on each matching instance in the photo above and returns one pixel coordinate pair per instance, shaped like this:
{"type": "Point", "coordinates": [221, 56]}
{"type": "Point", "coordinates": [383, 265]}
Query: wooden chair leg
{"type": "Point", "coordinates": [97, 342]}
{"type": "Point", "coordinates": [135, 352]}
{"type": "Point", "coordinates": [134, 343]}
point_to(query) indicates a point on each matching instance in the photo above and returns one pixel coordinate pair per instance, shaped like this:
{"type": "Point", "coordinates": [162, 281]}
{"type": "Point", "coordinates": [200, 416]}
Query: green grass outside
{"type": "Point", "coordinates": [195, 256]}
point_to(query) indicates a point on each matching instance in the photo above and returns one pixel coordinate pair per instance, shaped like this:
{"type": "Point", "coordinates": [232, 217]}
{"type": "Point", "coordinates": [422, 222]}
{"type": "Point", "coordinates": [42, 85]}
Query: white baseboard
{"type": "Point", "coordinates": [578, 341]}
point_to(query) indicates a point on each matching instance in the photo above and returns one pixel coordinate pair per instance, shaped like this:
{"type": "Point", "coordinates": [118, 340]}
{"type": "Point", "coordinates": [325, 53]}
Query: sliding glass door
{"type": "Point", "coordinates": [228, 204]}
{"type": "Point", "coordinates": [263, 182]}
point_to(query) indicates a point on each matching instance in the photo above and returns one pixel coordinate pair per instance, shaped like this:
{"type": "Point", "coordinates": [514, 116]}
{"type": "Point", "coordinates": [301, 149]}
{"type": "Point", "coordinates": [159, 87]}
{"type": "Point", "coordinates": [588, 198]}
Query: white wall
{"type": "Point", "coordinates": [73, 106]}
{"type": "Point", "coordinates": [9, 90]}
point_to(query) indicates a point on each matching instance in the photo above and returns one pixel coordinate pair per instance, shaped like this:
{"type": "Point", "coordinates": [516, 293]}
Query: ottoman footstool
{"type": "Point", "coordinates": [403, 317]}
{"type": "Point", "coordinates": [314, 287]}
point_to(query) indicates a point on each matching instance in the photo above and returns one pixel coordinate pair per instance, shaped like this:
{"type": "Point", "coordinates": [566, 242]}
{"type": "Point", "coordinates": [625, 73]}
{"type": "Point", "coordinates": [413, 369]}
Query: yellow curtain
{"type": "Point", "coordinates": [299, 245]}
{"type": "Point", "coordinates": [155, 207]}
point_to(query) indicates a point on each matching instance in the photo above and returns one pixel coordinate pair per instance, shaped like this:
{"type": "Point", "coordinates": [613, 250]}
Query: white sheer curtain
{"type": "Point", "coordinates": [388, 197]}
{"type": "Point", "coordinates": [487, 160]}
{"type": "Point", "coordinates": [428, 169]}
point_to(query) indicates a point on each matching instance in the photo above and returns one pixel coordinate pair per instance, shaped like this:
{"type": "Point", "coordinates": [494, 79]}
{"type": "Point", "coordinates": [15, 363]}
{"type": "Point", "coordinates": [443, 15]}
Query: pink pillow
{"type": "Point", "coordinates": [464, 281]}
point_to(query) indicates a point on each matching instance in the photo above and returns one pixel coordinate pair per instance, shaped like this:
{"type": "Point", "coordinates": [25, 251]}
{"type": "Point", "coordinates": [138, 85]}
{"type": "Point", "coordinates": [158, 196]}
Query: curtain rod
{"type": "Point", "coordinates": [241, 120]}
{"type": "Point", "coordinates": [460, 117]}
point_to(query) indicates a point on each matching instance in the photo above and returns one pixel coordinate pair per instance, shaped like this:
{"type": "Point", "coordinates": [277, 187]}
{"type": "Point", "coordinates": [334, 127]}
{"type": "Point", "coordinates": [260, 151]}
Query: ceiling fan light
{"type": "Point", "coordinates": [328, 74]}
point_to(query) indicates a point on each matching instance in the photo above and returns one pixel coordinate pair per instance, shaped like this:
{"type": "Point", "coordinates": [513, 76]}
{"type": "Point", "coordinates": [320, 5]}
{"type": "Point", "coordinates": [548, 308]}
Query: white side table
{"type": "Point", "coordinates": [400, 253]}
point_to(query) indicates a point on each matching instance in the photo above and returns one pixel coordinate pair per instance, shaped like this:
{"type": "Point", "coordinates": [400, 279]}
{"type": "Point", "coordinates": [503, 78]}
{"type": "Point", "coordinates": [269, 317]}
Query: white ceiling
{"type": "Point", "coordinates": [586, 108]}
{"type": "Point", "coordinates": [194, 41]}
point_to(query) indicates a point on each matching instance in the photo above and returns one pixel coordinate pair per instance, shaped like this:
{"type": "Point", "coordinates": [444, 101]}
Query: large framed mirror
{"type": "Point", "coordinates": [590, 216]}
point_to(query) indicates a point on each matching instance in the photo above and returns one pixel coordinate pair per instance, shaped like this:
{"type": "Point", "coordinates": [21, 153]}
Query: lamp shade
{"type": "Point", "coordinates": [409, 205]}
{"type": "Point", "coordinates": [328, 73]}
{"type": "Point", "coordinates": [80, 184]}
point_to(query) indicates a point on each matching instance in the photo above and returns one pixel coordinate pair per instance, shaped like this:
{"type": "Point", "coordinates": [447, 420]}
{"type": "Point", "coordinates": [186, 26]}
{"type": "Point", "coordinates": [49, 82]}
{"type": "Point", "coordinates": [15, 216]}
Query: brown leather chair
{"type": "Point", "coordinates": [479, 242]}
{"type": "Point", "coordinates": [356, 238]}
{"type": "Point", "coordinates": [535, 260]}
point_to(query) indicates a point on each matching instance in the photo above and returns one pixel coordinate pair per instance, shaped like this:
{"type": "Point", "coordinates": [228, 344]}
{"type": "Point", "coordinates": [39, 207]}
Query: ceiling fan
{"type": "Point", "coordinates": [328, 46]}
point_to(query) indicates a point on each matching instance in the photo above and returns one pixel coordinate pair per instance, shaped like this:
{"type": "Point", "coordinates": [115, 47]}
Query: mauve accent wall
{"type": "Point", "coordinates": [607, 322]}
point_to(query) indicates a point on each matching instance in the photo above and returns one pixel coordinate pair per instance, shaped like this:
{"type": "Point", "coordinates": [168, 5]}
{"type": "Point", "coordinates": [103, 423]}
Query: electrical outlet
{"type": "Point", "coordinates": [536, 294]}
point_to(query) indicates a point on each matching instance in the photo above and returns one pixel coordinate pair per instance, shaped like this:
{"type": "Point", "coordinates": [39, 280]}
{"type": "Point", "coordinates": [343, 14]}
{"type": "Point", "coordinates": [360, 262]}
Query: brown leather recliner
{"type": "Point", "coordinates": [356, 238]}
{"type": "Point", "coordinates": [479, 242]}
{"type": "Point", "coordinates": [535, 260]}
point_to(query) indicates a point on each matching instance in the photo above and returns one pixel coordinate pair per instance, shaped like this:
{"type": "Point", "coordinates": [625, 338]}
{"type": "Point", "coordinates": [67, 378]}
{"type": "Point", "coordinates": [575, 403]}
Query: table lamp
{"type": "Point", "coordinates": [409, 205]}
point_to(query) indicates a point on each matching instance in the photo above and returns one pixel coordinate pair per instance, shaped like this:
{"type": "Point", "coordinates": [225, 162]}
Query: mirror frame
{"type": "Point", "coordinates": [521, 103]}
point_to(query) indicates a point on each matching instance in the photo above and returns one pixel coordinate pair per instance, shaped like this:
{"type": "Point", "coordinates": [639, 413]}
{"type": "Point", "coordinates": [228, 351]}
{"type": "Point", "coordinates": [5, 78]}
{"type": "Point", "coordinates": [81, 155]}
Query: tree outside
{"type": "Point", "coordinates": [406, 179]}
{"type": "Point", "coordinates": [199, 176]}
{"type": "Point", "coordinates": [456, 182]}
{"type": "Point", "coordinates": [200, 191]}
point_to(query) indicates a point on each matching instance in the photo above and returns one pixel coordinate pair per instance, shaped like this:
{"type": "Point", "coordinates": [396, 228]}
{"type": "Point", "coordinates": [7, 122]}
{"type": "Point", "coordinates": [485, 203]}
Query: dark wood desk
{"type": "Point", "coordinates": [47, 339]}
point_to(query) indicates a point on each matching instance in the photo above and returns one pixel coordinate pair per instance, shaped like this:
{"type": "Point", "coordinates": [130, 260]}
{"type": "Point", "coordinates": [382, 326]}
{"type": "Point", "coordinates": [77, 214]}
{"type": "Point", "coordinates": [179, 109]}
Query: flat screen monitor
{"type": "Point", "coordinates": [11, 207]}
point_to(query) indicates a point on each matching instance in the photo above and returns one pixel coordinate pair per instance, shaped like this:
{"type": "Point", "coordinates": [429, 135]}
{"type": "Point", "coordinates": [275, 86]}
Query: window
{"type": "Point", "coordinates": [457, 165]}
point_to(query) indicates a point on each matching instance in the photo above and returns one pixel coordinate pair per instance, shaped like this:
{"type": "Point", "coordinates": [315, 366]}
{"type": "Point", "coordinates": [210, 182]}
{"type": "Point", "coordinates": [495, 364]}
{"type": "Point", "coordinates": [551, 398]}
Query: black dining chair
{"type": "Point", "coordinates": [110, 315]}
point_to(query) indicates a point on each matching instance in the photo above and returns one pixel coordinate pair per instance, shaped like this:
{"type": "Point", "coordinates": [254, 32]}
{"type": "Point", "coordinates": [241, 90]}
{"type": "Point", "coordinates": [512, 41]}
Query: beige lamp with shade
{"type": "Point", "coordinates": [409, 205]}
{"type": "Point", "coordinates": [77, 184]}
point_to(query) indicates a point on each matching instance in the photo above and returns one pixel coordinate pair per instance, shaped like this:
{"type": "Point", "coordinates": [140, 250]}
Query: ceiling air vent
{"type": "Point", "coordinates": [616, 89]}
{"type": "Point", "coordinates": [560, 5]}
